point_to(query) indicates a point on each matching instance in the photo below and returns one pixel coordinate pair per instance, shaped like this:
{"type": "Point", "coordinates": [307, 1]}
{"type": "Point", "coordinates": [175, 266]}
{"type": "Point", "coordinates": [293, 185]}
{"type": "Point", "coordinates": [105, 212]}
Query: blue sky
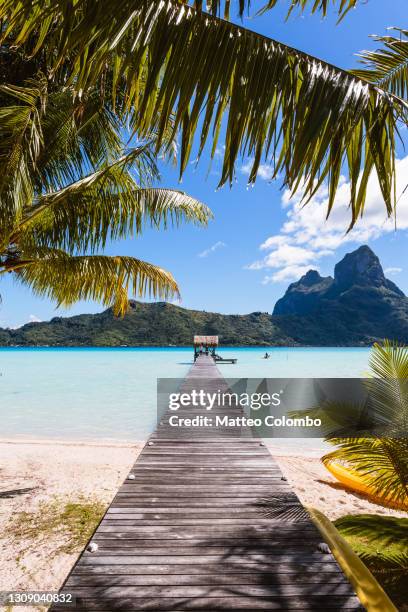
{"type": "Point", "coordinates": [223, 268]}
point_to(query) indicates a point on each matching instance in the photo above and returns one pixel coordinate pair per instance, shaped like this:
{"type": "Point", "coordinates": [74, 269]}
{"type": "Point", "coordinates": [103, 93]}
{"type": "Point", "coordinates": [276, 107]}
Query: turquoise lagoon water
{"type": "Point", "coordinates": [100, 393]}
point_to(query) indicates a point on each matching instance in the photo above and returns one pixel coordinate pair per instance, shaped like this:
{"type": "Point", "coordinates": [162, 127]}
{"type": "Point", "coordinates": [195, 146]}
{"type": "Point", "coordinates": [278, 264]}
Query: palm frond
{"type": "Point", "coordinates": [341, 419]}
{"type": "Point", "coordinates": [67, 279]}
{"type": "Point", "coordinates": [380, 541]}
{"type": "Point", "coordinates": [308, 119]}
{"type": "Point", "coordinates": [224, 8]}
{"type": "Point", "coordinates": [318, 6]}
{"type": "Point", "coordinates": [391, 571]}
{"type": "Point", "coordinates": [21, 140]}
{"type": "Point", "coordinates": [393, 566]}
{"type": "Point", "coordinates": [387, 67]}
{"type": "Point", "coordinates": [80, 136]}
{"type": "Point", "coordinates": [388, 389]}
{"type": "Point", "coordinates": [51, 229]}
{"type": "Point", "coordinates": [371, 437]}
{"type": "Point", "coordinates": [108, 204]}
{"type": "Point", "coordinates": [381, 462]}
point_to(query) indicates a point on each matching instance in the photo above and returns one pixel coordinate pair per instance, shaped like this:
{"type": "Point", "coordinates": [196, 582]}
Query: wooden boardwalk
{"type": "Point", "coordinates": [188, 533]}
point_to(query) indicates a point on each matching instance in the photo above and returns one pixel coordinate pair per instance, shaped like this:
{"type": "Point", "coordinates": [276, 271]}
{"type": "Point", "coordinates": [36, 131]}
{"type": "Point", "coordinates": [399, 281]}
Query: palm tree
{"type": "Point", "coordinates": [67, 185]}
{"type": "Point", "coordinates": [372, 438]}
{"type": "Point", "coordinates": [311, 120]}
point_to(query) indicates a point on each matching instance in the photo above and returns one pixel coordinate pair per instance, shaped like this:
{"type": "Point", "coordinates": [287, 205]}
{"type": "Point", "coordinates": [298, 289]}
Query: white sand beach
{"type": "Point", "coordinates": [299, 460]}
{"type": "Point", "coordinates": [38, 473]}
{"type": "Point", "coordinates": [34, 474]}
{"type": "Point", "coordinates": [317, 488]}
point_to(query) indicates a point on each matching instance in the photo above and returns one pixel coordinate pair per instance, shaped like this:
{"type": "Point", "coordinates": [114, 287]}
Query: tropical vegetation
{"type": "Point", "coordinates": [168, 73]}
{"type": "Point", "coordinates": [381, 542]}
{"type": "Point", "coordinates": [371, 436]}
{"type": "Point", "coordinates": [217, 80]}
{"type": "Point", "coordinates": [67, 185]}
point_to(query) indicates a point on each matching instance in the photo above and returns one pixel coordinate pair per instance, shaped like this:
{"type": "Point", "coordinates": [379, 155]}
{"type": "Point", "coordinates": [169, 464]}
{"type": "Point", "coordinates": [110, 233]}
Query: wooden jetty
{"type": "Point", "coordinates": [187, 531]}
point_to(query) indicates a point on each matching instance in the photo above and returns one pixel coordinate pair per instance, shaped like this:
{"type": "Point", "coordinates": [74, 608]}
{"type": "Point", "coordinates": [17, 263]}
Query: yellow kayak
{"type": "Point", "coordinates": [352, 479]}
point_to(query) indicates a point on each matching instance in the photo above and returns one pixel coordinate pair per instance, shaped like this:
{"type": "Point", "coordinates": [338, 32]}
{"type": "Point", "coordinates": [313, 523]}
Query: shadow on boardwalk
{"type": "Point", "coordinates": [188, 532]}
{"type": "Point", "coordinates": [269, 565]}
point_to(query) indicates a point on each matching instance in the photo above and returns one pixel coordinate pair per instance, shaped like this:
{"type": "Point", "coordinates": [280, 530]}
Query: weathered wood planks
{"type": "Point", "coordinates": [188, 533]}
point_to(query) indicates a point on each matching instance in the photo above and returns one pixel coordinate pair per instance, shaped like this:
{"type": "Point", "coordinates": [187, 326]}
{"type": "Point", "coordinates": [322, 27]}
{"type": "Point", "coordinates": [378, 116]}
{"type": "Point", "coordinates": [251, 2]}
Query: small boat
{"type": "Point", "coordinates": [354, 481]}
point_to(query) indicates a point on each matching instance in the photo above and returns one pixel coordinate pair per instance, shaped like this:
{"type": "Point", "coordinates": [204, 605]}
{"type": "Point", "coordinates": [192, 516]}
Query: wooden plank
{"type": "Point", "coordinates": [192, 522]}
{"type": "Point", "coordinates": [240, 557]}
{"type": "Point", "coordinates": [198, 579]}
{"type": "Point", "coordinates": [172, 548]}
{"type": "Point", "coordinates": [140, 512]}
{"type": "Point", "coordinates": [186, 532]}
{"type": "Point", "coordinates": [247, 590]}
{"type": "Point", "coordinates": [298, 572]}
{"type": "Point", "coordinates": [231, 603]}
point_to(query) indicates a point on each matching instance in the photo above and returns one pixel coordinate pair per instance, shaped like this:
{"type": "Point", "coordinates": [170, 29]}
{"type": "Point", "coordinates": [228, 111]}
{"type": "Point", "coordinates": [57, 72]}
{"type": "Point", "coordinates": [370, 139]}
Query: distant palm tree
{"type": "Point", "coordinates": [67, 185]}
{"type": "Point", "coordinates": [311, 120]}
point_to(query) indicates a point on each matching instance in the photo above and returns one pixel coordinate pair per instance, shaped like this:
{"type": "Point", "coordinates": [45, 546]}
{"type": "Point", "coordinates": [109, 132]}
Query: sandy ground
{"type": "Point", "coordinates": [316, 487]}
{"type": "Point", "coordinates": [34, 472]}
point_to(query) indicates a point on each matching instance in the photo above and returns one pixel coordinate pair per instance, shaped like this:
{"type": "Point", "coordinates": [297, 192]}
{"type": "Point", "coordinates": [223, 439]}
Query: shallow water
{"type": "Point", "coordinates": [111, 393]}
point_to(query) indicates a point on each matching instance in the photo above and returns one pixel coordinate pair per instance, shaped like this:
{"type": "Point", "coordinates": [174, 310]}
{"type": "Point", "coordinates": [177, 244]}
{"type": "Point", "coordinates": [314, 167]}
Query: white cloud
{"type": "Point", "coordinates": [392, 271]}
{"type": "Point", "coordinates": [34, 319]}
{"type": "Point", "coordinates": [287, 273]}
{"type": "Point", "coordinates": [31, 319]}
{"type": "Point", "coordinates": [286, 255]}
{"type": "Point", "coordinates": [219, 152]}
{"type": "Point", "coordinates": [273, 241]}
{"type": "Point", "coordinates": [265, 171]}
{"type": "Point", "coordinates": [211, 249]}
{"type": "Point", "coordinates": [306, 236]}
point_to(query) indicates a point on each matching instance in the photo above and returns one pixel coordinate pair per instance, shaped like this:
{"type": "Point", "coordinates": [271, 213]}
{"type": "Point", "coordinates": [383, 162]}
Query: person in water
{"type": "Point", "coordinates": [266, 356]}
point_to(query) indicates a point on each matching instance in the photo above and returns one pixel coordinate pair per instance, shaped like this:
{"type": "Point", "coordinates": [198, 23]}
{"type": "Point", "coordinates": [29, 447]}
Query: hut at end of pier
{"type": "Point", "coordinates": [205, 345]}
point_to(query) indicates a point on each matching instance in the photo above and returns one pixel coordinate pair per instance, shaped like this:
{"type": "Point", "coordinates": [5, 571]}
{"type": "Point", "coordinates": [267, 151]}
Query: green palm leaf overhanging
{"type": "Point", "coordinates": [66, 279]}
{"type": "Point", "coordinates": [312, 121]}
{"type": "Point", "coordinates": [21, 139]}
{"type": "Point", "coordinates": [225, 7]}
{"type": "Point", "coordinates": [106, 212]}
{"type": "Point", "coordinates": [80, 188]}
{"type": "Point", "coordinates": [387, 67]}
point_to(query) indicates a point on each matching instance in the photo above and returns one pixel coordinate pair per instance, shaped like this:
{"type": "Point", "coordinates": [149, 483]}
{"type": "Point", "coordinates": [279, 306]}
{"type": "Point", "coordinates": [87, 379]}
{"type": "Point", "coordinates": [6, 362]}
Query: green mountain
{"type": "Point", "coordinates": [355, 308]}
{"type": "Point", "coordinates": [147, 324]}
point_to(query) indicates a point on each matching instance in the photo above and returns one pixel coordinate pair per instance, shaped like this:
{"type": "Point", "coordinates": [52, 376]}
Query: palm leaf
{"type": "Point", "coordinates": [372, 437]}
{"type": "Point", "coordinates": [60, 137]}
{"type": "Point", "coordinates": [67, 279]}
{"type": "Point", "coordinates": [341, 6]}
{"type": "Point", "coordinates": [71, 187]}
{"type": "Point", "coordinates": [391, 571]}
{"type": "Point", "coordinates": [387, 67]}
{"type": "Point", "coordinates": [342, 419]}
{"type": "Point", "coordinates": [304, 116]}
{"type": "Point", "coordinates": [85, 214]}
{"type": "Point", "coordinates": [381, 462]}
{"type": "Point", "coordinates": [80, 135]}
{"type": "Point", "coordinates": [392, 567]}
{"type": "Point", "coordinates": [388, 389]}
{"type": "Point", "coordinates": [21, 139]}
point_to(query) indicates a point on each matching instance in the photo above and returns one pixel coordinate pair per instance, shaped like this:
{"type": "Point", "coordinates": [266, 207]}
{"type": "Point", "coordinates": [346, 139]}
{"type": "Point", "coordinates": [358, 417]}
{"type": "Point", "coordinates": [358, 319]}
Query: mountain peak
{"type": "Point", "coordinates": [359, 270]}
{"type": "Point", "coordinates": [301, 297]}
{"type": "Point", "coordinates": [360, 267]}
{"type": "Point", "coordinates": [312, 277]}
